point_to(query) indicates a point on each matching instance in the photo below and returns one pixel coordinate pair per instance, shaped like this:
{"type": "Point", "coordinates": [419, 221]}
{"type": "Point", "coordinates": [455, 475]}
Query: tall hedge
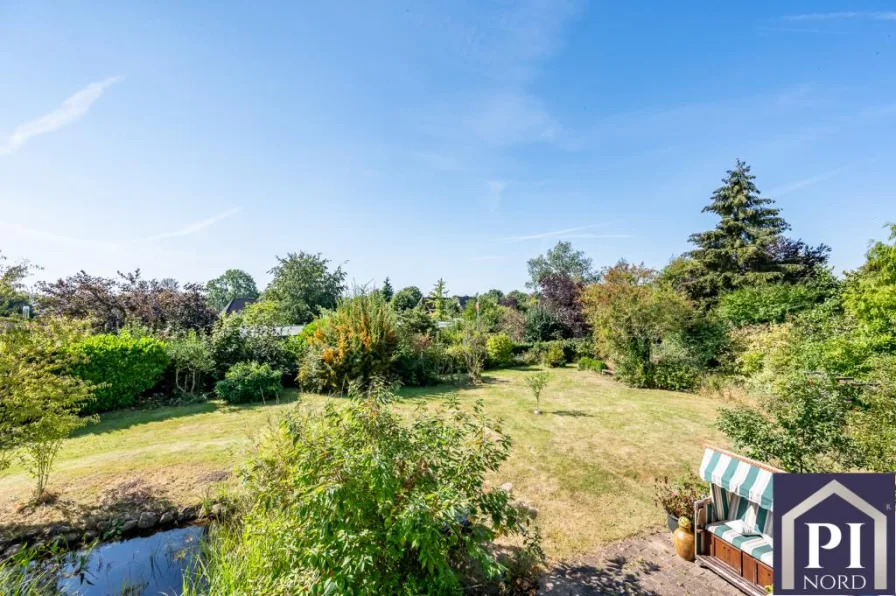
{"type": "Point", "coordinates": [121, 366]}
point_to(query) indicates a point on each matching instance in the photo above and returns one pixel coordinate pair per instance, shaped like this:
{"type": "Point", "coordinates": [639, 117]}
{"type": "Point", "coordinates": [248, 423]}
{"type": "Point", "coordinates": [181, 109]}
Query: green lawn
{"type": "Point", "coordinates": [587, 463]}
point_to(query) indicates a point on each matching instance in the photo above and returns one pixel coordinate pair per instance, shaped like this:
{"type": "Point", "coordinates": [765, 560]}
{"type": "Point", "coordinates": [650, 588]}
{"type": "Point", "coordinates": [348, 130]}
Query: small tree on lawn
{"type": "Point", "coordinates": [39, 399]}
{"type": "Point", "coordinates": [537, 382]}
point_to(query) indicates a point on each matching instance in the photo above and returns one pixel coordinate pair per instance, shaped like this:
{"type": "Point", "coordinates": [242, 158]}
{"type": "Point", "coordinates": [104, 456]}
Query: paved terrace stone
{"type": "Point", "coordinates": [643, 565]}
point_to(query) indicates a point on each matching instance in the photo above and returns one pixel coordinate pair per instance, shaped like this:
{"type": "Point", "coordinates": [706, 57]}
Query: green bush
{"type": "Point", "coordinates": [675, 375]}
{"type": "Point", "coordinates": [353, 344]}
{"type": "Point", "coordinates": [521, 348]}
{"type": "Point", "coordinates": [120, 366]}
{"type": "Point", "coordinates": [543, 325]}
{"type": "Point", "coordinates": [249, 381]}
{"type": "Point", "coordinates": [802, 428]}
{"type": "Point", "coordinates": [227, 345]}
{"type": "Point", "coordinates": [592, 364]}
{"type": "Point", "coordinates": [422, 360]}
{"type": "Point", "coordinates": [767, 304]}
{"type": "Point", "coordinates": [352, 499]}
{"type": "Point", "coordinates": [554, 355]}
{"type": "Point", "coordinates": [632, 370]}
{"type": "Point", "coordinates": [527, 358]}
{"type": "Point", "coordinates": [580, 347]}
{"type": "Point", "coordinates": [500, 350]}
{"type": "Point", "coordinates": [234, 339]}
{"type": "Point", "coordinates": [473, 351]}
{"type": "Point", "coordinates": [421, 357]}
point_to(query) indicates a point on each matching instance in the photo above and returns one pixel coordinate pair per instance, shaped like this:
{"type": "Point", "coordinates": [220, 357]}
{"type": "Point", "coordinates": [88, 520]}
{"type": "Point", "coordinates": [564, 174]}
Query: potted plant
{"type": "Point", "coordinates": [677, 497]}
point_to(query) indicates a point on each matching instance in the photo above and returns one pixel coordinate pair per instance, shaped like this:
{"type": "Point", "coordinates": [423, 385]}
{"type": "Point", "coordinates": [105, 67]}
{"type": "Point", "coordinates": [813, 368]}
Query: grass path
{"type": "Point", "coordinates": [587, 463]}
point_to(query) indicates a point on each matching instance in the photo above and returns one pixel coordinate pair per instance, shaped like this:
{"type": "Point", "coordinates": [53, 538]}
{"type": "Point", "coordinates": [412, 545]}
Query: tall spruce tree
{"type": "Point", "coordinates": [747, 247]}
{"type": "Point", "coordinates": [387, 291]}
{"type": "Point", "coordinates": [438, 297]}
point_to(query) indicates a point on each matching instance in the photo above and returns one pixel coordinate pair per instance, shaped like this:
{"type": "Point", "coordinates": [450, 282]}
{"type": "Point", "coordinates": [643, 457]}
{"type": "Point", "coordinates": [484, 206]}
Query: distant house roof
{"type": "Point", "coordinates": [236, 305]}
{"type": "Point", "coordinates": [464, 299]}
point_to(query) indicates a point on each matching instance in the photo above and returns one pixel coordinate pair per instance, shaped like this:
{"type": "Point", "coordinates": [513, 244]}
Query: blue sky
{"type": "Point", "coordinates": [422, 140]}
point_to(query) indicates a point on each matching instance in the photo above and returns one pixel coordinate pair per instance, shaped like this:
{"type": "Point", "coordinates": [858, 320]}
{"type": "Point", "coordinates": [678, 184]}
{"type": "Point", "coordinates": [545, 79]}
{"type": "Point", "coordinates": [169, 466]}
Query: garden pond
{"type": "Point", "coordinates": [140, 566]}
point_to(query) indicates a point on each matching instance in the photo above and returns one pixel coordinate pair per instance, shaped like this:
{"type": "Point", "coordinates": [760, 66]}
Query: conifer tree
{"type": "Point", "coordinates": [438, 297]}
{"type": "Point", "coordinates": [387, 290]}
{"type": "Point", "coordinates": [747, 247]}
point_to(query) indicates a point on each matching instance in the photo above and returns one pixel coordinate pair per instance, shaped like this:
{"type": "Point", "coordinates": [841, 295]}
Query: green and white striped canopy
{"type": "Point", "coordinates": [739, 477]}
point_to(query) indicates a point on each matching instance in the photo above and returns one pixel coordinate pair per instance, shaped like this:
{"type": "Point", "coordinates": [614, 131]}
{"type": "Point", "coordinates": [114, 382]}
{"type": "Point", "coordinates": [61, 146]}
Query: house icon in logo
{"type": "Point", "coordinates": [788, 533]}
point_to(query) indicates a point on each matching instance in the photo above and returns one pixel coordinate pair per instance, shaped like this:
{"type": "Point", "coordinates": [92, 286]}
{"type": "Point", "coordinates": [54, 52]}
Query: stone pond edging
{"type": "Point", "coordinates": [118, 527]}
{"type": "Point", "coordinates": [143, 522]}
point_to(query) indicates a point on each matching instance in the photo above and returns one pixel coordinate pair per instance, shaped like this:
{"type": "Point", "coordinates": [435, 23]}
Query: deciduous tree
{"type": "Point", "coordinates": [563, 260]}
{"type": "Point", "coordinates": [561, 295]}
{"type": "Point", "coordinates": [407, 298]}
{"type": "Point", "coordinates": [109, 304]}
{"type": "Point", "coordinates": [630, 314]}
{"type": "Point", "coordinates": [39, 398]}
{"type": "Point", "coordinates": [801, 429]}
{"type": "Point", "coordinates": [304, 285]}
{"type": "Point", "coordinates": [12, 287]}
{"type": "Point", "coordinates": [233, 283]}
{"type": "Point", "coordinates": [870, 293]}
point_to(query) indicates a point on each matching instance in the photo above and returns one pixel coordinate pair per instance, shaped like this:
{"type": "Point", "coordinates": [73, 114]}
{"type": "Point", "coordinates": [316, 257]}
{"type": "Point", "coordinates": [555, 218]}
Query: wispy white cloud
{"type": "Point", "coordinates": [800, 184]}
{"type": "Point", "coordinates": [72, 109]}
{"type": "Point", "coordinates": [785, 189]}
{"type": "Point", "coordinates": [798, 30]}
{"type": "Point", "coordinates": [552, 234]}
{"type": "Point", "coordinates": [37, 234]}
{"type": "Point", "coordinates": [43, 235]}
{"type": "Point", "coordinates": [196, 226]}
{"type": "Point", "coordinates": [597, 236]}
{"type": "Point", "coordinates": [844, 15]}
{"type": "Point", "coordinates": [567, 233]}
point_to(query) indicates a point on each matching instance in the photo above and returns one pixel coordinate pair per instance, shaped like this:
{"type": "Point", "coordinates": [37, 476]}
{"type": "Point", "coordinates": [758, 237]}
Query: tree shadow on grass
{"type": "Point", "coordinates": [617, 576]}
{"type": "Point", "coordinates": [490, 380]}
{"type": "Point", "coordinates": [124, 419]}
{"type": "Point", "coordinates": [572, 413]}
{"type": "Point", "coordinates": [458, 385]}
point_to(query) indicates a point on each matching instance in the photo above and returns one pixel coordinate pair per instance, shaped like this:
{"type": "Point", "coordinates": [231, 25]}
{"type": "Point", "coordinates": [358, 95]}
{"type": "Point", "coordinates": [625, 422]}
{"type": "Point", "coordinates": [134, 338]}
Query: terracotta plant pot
{"type": "Point", "coordinates": [683, 539]}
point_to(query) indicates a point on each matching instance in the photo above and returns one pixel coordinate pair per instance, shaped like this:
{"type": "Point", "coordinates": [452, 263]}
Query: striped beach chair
{"type": "Point", "coordinates": [734, 525]}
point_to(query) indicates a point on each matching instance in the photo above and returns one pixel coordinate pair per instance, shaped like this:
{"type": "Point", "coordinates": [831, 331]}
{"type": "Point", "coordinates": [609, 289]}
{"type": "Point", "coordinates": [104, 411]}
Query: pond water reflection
{"type": "Point", "coordinates": [143, 566]}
